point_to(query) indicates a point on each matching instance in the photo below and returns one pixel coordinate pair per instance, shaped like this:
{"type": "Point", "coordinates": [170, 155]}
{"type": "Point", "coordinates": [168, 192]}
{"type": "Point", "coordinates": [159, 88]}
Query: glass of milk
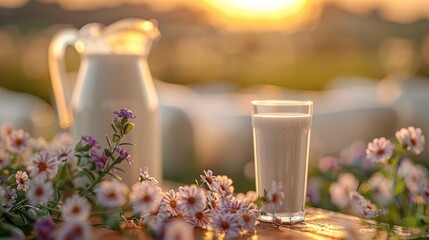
{"type": "Point", "coordinates": [281, 138]}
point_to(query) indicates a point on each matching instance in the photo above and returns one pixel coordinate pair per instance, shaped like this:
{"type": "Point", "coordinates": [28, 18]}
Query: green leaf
{"type": "Point", "coordinates": [123, 121]}
{"type": "Point", "coordinates": [128, 127]}
{"type": "Point", "coordinates": [425, 220]}
{"type": "Point", "coordinates": [410, 221]}
{"type": "Point", "coordinates": [88, 173]}
{"type": "Point", "coordinates": [400, 187]}
{"type": "Point", "coordinates": [116, 138]}
{"type": "Point", "coordinates": [115, 176]}
{"type": "Point", "coordinates": [114, 128]}
{"type": "Point", "coordinates": [107, 152]}
{"type": "Point", "coordinates": [128, 144]}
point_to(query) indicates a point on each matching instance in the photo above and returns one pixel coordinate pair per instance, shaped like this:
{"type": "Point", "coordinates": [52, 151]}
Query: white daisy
{"type": "Point", "coordinates": [155, 217]}
{"type": "Point", "coordinates": [145, 176]}
{"type": "Point", "coordinates": [42, 165]}
{"type": "Point", "coordinates": [380, 150]}
{"type": "Point", "coordinates": [200, 219]}
{"type": "Point", "coordinates": [382, 189]}
{"type": "Point", "coordinates": [21, 178]}
{"type": "Point", "coordinates": [111, 194]}
{"type": "Point", "coordinates": [412, 139]}
{"type": "Point", "coordinates": [210, 180]}
{"type": "Point", "coordinates": [76, 208]}
{"type": "Point", "coordinates": [65, 153]}
{"type": "Point", "coordinates": [226, 223]}
{"type": "Point", "coordinates": [341, 189]}
{"type": "Point", "coordinates": [225, 185]}
{"type": "Point", "coordinates": [17, 141]}
{"type": "Point", "coordinates": [169, 200]}
{"type": "Point", "coordinates": [39, 191]}
{"type": "Point", "coordinates": [144, 196]}
{"type": "Point", "coordinates": [213, 200]}
{"type": "Point", "coordinates": [4, 159]}
{"type": "Point", "coordinates": [363, 207]}
{"type": "Point", "coordinates": [178, 229]}
{"type": "Point", "coordinates": [247, 219]}
{"type": "Point", "coordinates": [191, 199]}
{"type": "Point", "coordinates": [416, 179]}
{"type": "Point", "coordinates": [8, 197]}
{"type": "Point", "coordinates": [74, 230]}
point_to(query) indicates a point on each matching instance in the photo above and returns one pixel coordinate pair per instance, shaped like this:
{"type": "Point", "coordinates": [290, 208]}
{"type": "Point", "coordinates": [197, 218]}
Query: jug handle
{"type": "Point", "coordinates": [59, 80]}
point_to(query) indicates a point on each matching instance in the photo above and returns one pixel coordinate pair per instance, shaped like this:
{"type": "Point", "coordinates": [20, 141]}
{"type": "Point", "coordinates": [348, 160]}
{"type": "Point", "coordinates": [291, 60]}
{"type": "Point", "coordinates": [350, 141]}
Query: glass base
{"type": "Point", "coordinates": [289, 217]}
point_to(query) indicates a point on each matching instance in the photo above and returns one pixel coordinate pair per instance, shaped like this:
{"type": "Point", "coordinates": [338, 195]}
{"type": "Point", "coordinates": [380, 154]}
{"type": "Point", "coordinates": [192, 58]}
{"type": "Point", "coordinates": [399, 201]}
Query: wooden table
{"type": "Point", "coordinates": [318, 224]}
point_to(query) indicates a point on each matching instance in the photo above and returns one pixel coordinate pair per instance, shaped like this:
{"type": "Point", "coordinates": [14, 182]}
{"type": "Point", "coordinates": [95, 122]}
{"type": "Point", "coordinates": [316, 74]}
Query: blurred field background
{"type": "Point", "coordinates": [227, 46]}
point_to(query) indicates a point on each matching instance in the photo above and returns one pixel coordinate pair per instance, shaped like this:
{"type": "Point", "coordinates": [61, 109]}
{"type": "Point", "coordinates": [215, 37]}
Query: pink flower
{"type": "Point", "coordinates": [210, 180]}
{"type": "Point", "coordinates": [275, 196]}
{"type": "Point", "coordinates": [225, 185]}
{"type": "Point", "coordinates": [39, 191]}
{"type": "Point", "coordinates": [144, 196]}
{"type": "Point", "coordinates": [226, 223]}
{"type": "Point", "coordinates": [111, 194]}
{"type": "Point", "coordinates": [17, 141]}
{"type": "Point", "coordinates": [380, 150]}
{"type": "Point", "coordinates": [412, 139]}
{"type": "Point", "coordinates": [42, 165]}
{"type": "Point", "coordinates": [169, 200]}
{"type": "Point", "coordinates": [76, 208]}
{"type": "Point", "coordinates": [4, 159]}
{"type": "Point", "coordinates": [340, 190]}
{"type": "Point", "coordinates": [200, 219]}
{"type": "Point", "coordinates": [21, 178]}
{"type": "Point", "coordinates": [191, 199]}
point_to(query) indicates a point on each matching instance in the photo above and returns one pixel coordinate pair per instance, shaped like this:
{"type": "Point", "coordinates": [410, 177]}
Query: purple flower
{"type": "Point", "coordinates": [99, 158]}
{"type": "Point", "coordinates": [90, 141]}
{"type": "Point", "coordinates": [125, 112]}
{"type": "Point", "coordinates": [44, 228]}
{"type": "Point", "coordinates": [124, 155]}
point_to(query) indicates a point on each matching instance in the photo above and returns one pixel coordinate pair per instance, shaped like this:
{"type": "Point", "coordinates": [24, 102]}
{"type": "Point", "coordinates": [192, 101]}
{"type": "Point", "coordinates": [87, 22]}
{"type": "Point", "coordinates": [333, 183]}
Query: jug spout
{"type": "Point", "coordinates": [131, 36]}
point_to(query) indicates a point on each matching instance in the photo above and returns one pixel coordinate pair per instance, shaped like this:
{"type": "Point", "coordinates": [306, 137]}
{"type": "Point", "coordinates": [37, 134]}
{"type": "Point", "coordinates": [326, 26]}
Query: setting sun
{"type": "Point", "coordinates": [257, 9]}
{"type": "Point", "coordinates": [259, 13]}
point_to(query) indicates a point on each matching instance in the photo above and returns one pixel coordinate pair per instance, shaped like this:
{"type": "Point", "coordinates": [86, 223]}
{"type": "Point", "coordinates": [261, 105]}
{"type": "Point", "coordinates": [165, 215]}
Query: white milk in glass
{"type": "Point", "coordinates": [281, 143]}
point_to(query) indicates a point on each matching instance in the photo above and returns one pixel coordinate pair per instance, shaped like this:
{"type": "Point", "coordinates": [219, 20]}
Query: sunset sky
{"type": "Point", "coordinates": [257, 14]}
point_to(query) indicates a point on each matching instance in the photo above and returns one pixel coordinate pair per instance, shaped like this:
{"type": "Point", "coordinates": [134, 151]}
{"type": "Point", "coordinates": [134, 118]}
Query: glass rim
{"type": "Point", "coordinates": [281, 103]}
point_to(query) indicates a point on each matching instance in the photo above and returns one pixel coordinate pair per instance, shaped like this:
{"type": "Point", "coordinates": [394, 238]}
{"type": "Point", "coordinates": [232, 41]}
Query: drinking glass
{"type": "Point", "coordinates": [281, 138]}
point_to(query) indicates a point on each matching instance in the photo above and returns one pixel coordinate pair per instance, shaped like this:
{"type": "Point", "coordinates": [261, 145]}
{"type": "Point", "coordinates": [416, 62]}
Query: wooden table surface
{"type": "Point", "coordinates": [318, 224]}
